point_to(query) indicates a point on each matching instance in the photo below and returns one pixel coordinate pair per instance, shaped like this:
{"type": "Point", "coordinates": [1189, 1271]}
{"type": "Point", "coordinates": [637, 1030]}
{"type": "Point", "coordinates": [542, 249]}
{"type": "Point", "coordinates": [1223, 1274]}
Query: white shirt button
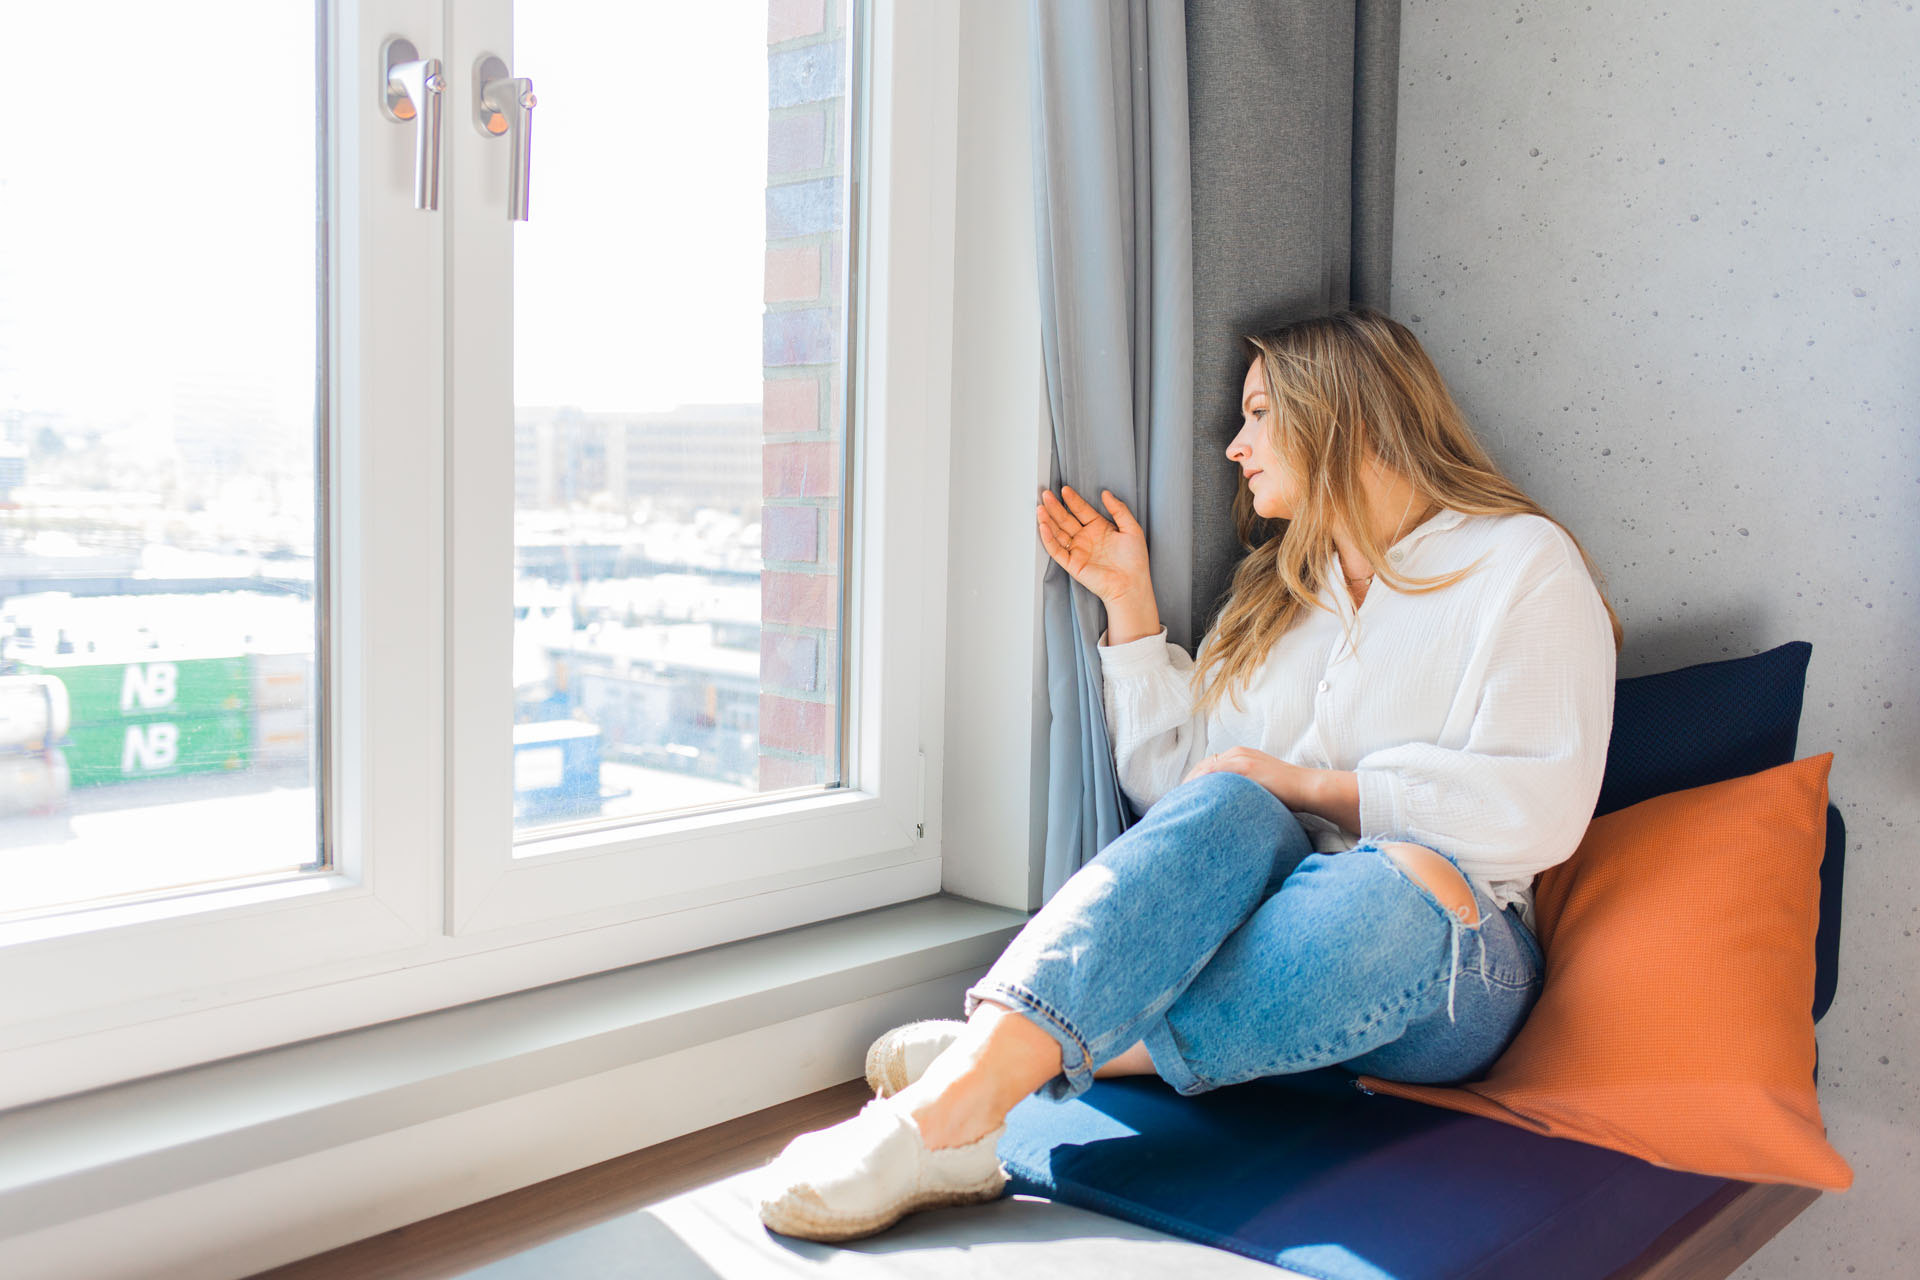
{"type": "Point", "coordinates": [1396, 555]}
{"type": "Point", "coordinates": [1324, 686]}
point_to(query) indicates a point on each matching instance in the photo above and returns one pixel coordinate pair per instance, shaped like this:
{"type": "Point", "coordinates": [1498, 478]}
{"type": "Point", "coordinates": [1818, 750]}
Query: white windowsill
{"type": "Point", "coordinates": [95, 1152]}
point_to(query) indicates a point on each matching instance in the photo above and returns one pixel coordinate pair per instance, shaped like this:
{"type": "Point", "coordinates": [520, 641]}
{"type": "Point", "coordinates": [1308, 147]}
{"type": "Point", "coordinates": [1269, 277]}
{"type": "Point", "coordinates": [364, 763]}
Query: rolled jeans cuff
{"type": "Point", "coordinates": [1167, 1062]}
{"type": "Point", "coordinates": [1076, 1066]}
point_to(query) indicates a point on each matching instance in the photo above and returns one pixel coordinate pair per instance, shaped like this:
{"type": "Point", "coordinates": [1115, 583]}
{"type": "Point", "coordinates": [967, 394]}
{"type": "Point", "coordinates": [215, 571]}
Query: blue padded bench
{"type": "Point", "coordinates": [1310, 1173]}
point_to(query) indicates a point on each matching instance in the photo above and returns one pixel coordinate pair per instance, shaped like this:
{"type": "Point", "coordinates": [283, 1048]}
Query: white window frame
{"type": "Point", "coordinates": [108, 996]}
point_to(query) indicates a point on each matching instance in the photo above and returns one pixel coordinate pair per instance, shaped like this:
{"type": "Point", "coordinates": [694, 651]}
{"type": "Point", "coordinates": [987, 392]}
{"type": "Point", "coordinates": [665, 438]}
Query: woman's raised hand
{"type": "Point", "coordinates": [1108, 558]}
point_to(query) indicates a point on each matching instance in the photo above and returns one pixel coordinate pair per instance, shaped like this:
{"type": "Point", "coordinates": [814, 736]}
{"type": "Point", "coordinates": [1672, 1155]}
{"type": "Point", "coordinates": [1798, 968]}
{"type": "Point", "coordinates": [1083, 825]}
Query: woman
{"type": "Point", "coordinates": [1399, 718]}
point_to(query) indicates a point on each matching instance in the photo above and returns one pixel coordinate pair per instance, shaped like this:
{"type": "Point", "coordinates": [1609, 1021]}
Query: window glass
{"type": "Point", "coordinates": [678, 430]}
{"type": "Point", "coordinates": [157, 455]}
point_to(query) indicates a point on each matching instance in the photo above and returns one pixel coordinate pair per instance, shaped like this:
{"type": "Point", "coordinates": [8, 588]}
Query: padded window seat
{"type": "Point", "coordinates": [1312, 1173]}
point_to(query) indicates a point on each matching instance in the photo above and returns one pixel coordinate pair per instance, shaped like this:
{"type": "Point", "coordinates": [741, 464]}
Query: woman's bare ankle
{"type": "Point", "coordinates": [1134, 1062]}
{"type": "Point", "coordinates": [950, 1117]}
{"type": "Point", "coordinates": [966, 1092]}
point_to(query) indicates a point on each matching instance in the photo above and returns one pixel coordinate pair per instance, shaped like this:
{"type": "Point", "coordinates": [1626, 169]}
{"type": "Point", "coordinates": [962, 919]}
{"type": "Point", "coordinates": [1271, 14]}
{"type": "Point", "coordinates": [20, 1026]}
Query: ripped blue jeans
{"type": "Point", "coordinates": [1214, 933]}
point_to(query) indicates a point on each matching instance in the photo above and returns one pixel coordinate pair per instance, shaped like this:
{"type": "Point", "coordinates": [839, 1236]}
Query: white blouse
{"type": "Point", "coordinates": [1476, 716]}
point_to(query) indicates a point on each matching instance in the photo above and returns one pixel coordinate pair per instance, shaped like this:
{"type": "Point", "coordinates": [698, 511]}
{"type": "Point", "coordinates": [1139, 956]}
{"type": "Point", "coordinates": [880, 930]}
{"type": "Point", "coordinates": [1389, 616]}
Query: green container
{"type": "Point", "coordinates": [114, 692]}
{"type": "Point", "coordinates": [158, 747]}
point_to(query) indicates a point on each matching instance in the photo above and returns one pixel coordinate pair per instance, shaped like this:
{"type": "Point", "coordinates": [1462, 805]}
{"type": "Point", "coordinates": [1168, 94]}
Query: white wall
{"type": "Point", "coordinates": [1668, 258]}
{"type": "Point", "coordinates": [993, 815]}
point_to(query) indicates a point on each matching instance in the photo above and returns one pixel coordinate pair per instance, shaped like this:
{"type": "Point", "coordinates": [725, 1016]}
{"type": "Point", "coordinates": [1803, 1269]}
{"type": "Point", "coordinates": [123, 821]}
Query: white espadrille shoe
{"type": "Point", "coordinates": [864, 1174]}
{"type": "Point", "coordinates": [902, 1055]}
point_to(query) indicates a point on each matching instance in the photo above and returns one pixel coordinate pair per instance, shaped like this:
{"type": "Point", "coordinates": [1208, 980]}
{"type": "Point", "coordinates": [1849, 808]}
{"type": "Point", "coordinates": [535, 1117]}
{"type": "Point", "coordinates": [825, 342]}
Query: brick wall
{"type": "Point", "coordinates": [802, 414]}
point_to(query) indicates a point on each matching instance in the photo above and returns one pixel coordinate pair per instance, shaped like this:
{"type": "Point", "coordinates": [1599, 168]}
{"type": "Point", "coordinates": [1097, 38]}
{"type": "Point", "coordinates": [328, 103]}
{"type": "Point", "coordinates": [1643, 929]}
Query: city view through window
{"type": "Point", "coordinates": [676, 438]}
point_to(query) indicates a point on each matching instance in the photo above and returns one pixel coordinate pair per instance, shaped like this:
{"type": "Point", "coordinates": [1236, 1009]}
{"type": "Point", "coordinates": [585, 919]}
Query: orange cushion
{"type": "Point", "coordinates": [1676, 1021]}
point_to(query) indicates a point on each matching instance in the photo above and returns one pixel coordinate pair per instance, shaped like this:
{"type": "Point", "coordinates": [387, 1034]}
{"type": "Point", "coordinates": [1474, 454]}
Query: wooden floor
{"type": "Point", "coordinates": [463, 1239]}
{"type": "Point", "coordinates": [1708, 1244]}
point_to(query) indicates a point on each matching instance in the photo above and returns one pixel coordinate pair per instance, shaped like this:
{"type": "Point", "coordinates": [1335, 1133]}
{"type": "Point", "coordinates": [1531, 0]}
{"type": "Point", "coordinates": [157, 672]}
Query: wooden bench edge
{"type": "Point", "coordinates": [1712, 1241]}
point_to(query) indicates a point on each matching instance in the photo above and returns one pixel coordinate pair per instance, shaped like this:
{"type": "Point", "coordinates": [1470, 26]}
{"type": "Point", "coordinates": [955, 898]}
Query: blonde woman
{"type": "Point", "coordinates": [1398, 719]}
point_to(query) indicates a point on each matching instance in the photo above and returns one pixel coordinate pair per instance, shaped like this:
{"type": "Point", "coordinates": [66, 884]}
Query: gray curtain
{"type": "Point", "coordinates": [1201, 170]}
{"type": "Point", "coordinates": [1292, 109]}
{"type": "Point", "coordinates": [1114, 211]}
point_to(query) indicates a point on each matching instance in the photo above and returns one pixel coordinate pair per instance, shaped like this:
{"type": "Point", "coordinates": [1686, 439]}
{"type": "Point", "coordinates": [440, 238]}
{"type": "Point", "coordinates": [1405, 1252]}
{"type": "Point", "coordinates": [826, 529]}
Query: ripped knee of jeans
{"type": "Point", "coordinates": [1455, 894]}
{"type": "Point", "coordinates": [1449, 886]}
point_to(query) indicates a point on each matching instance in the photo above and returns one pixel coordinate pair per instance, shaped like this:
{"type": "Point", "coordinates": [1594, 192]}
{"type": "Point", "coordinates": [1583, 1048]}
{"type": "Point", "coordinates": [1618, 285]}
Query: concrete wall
{"type": "Point", "coordinates": [1669, 259]}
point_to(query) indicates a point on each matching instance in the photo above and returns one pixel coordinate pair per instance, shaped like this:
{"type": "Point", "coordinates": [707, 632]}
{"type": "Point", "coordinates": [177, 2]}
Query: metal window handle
{"type": "Point", "coordinates": [413, 86]}
{"type": "Point", "coordinates": [503, 104]}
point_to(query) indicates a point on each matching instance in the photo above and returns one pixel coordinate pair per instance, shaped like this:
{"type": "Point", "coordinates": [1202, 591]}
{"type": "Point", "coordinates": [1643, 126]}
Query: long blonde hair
{"type": "Point", "coordinates": [1343, 387]}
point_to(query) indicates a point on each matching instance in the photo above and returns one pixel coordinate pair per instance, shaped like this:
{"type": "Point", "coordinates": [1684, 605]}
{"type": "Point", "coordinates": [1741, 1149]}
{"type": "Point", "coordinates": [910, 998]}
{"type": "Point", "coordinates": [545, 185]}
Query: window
{"type": "Point", "coordinates": [562, 637]}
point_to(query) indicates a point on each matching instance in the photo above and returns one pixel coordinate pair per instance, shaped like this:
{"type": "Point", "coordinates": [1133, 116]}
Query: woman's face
{"type": "Point", "coordinates": [1275, 489]}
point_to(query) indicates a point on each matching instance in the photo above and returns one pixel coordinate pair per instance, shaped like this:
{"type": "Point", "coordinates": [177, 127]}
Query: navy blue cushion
{"type": "Point", "coordinates": [1702, 724]}
{"type": "Point", "coordinates": [1333, 1183]}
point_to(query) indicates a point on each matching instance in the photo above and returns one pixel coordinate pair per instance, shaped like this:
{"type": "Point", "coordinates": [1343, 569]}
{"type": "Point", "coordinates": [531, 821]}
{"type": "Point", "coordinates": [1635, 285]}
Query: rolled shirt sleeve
{"type": "Point", "coordinates": [1517, 796]}
{"type": "Point", "coordinates": [1157, 736]}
